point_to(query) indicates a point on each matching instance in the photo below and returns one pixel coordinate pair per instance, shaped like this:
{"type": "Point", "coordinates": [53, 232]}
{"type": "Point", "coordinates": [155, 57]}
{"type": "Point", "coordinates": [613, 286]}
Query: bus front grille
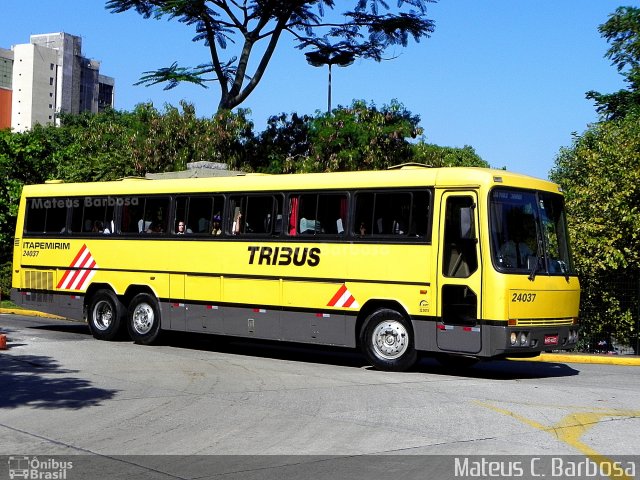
{"type": "Point", "coordinates": [541, 322]}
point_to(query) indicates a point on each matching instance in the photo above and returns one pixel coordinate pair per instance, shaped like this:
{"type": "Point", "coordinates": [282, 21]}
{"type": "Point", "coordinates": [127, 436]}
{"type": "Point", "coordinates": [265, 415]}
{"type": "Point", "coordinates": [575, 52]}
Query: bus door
{"type": "Point", "coordinates": [459, 274]}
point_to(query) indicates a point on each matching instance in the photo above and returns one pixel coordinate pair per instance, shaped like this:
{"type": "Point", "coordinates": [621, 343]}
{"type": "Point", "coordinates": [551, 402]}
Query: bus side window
{"type": "Point", "coordinates": [402, 214]}
{"type": "Point", "coordinates": [324, 213]}
{"type": "Point", "coordinates": [45, 216]}
{"type": "Point", "coordinates": [255, 214]}
{"type": "Point", "coordinates": [364, 224]}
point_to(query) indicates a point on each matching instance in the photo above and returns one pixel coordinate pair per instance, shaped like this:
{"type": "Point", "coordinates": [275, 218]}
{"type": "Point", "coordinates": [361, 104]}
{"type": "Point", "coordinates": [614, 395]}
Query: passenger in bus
{"type": "Point", "coordinates": [515, 251]}
{"type": "Point", "coordinates": [155, 227]}
{"type": "Point", "coordinates": [98, 227]}
{"type": "Point", "coordinates": [216, 229]}
{"type": "Point", "coordinates": [236, 228]}
{"type": "Point", "coordinates": [182, 228]}
{"type": "Point", "coordinates": [363, 229]}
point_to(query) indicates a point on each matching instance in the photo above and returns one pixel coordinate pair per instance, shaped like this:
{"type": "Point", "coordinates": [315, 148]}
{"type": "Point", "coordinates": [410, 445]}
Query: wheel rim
{"type": "Point", "coordinates": [103, 315]}
{"type": "Point", "coordinates": [390, 340]}
{"type": "Point", "coordinates": [143, 318]}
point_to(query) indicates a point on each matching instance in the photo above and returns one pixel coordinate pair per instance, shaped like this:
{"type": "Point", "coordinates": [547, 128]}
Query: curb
{"type": "Point", "coordinates": [544, 357]}
{"type": "Point", "coordinates": [29, 313]}
{"type": "Point", "coordinates": [587, 358]}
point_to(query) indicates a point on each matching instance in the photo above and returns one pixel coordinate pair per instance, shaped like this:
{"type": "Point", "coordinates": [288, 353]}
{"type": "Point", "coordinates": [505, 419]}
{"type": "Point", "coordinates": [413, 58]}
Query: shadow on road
{"type": "Point", "coordinates": [40, 382]}
{"type": "Point", "coordinates": [76, 328]}
{"type": "Point", "coordinates": [501, 370]}
{"type": "Point", "coordinates": [495, 370]}
{"type": "Point", "coordinates": [344, 357]}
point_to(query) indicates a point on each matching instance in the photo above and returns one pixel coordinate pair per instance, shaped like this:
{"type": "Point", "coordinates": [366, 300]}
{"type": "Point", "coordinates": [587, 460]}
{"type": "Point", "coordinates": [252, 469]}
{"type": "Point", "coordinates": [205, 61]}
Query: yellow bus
{"type": "Point", "coordinates": [457, 263]}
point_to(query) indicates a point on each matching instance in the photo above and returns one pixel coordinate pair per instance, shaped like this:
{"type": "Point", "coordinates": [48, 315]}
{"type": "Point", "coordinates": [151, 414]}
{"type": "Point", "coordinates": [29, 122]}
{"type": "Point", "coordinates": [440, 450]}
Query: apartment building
{"type": "Point", "coordinates": [49, 75]}
{"type": "Point", "coordinates": [6, 69]}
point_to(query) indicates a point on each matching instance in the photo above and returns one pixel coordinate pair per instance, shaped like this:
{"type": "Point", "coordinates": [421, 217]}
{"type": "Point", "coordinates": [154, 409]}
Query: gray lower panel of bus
{"type": "Point", "coordinates": [262, 323]}
{"type": "Point", "coordinates": [68, 306]}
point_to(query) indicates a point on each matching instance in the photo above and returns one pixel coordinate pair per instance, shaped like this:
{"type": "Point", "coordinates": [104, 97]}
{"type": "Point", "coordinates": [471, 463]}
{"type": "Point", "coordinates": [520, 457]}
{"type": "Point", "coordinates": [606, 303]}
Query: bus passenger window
{"type": "Point", "coordinates": [255, 214]}
{"type": "Point", "coordinates": [324, 213]}
{"type": "Point", "coordinates": [397, 213]}
{"type": "Point", "coordinates": [46, 216]}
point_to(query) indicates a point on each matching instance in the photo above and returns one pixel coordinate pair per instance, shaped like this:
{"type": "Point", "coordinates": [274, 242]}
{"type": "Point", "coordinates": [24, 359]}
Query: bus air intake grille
{"type": "Point", "coordinates": [541, 322]}
{"type": "Point", "coordinates": [38, 280]}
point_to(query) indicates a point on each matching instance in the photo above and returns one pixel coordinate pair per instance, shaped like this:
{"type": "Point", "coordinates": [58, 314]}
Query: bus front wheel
{"type": "Point", "coordinates": [105, 314]}
{"type": "Point", "coordinates": [387, 341]}
{"type": "Point", "coordinates": [144, 319]}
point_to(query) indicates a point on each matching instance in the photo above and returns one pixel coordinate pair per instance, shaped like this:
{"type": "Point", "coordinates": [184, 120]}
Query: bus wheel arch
{"type": "Point", "coordinates": [386, 336]}
{"type": "Point", "coordinates": [105, 312]}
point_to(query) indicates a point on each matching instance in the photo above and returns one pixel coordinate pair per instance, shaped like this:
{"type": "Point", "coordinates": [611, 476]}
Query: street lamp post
{"type": "Point", "coordinates": [320, 58]}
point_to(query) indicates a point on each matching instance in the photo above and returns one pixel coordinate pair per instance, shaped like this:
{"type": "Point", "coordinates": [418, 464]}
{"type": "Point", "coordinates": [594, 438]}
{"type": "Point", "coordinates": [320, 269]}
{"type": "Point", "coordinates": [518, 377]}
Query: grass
{"type": "Point", "coordinates": [8, 304]}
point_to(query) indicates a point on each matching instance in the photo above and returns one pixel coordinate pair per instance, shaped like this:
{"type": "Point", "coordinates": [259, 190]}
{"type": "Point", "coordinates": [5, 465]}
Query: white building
{"type": "Point", "coordinates": [51, 76]}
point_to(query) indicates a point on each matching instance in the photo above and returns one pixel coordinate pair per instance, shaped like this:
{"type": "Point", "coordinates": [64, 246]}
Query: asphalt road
{"type": "Point", "coordinates": [288, 411]}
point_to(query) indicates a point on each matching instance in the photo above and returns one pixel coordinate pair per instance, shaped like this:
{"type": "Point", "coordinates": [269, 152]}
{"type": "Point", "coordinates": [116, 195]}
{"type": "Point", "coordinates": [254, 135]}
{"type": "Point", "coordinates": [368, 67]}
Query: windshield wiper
{"type": "Point", "coordinates": [564, 269]}
{"type": "Point", "coordinates": [534, 268]}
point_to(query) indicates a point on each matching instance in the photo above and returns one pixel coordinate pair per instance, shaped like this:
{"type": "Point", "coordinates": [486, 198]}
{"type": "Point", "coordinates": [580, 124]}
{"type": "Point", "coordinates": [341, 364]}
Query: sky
{"type": "Point", "coordinates": [506, 77]}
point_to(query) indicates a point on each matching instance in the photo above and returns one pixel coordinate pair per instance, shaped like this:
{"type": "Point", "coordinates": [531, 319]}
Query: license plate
{"type": "Point", "coordinates": [551, 339]}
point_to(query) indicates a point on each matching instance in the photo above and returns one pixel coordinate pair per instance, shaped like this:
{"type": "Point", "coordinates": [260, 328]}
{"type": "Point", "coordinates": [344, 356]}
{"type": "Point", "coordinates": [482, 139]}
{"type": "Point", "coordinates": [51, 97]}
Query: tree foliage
{"type": "Point", "coordinates": [600, 176]}
{"type": "Point", "coordinates": [622, 32]}
{"type": "Point", "coordinates": [439, 156]}
{"type": "Point", "coordinates": [361, 137]}
{"type": "Point", "coordinates": [253, 28]}
{"type": "Point", "coordinates": [357, 137]}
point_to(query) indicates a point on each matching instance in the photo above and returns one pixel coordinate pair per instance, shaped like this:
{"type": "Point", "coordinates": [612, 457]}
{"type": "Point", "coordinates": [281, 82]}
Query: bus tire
{"type": "Point", "coordinates": [105, 315]}
{"type": "Point", "coordinates": [387, 341]}
{"type": "Point", "coordinates": [144, 319]}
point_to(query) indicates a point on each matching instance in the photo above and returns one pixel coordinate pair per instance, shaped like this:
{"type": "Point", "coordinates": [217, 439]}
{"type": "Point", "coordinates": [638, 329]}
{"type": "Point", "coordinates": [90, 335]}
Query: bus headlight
{"type": "Point", "coordinates": [514, 338]}
{"type": "Point", "coordinates": [523, 338]}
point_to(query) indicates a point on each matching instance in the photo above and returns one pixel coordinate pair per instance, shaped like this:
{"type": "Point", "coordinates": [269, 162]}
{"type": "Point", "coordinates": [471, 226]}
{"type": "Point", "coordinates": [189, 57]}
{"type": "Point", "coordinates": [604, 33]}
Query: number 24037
{"type": "Point", "coordinates": [523, 297]}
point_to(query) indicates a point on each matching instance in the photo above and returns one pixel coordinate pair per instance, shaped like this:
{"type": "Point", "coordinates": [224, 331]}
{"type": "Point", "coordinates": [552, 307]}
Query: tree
{"type": "Point", "coordinates": [361, 137]}
{"type": "Point", "coordinates": [24, 158]}
{"type": "Point", "coordinates": [438, 156]}
{"type": "Point", "coordinates": [283, 145]}
{"type": "Point", "coordinates": [622, 31]}
{"type": "Point", "coordinates": [600, 177]}
{"type": "Point", "coordinates": [362, 32]}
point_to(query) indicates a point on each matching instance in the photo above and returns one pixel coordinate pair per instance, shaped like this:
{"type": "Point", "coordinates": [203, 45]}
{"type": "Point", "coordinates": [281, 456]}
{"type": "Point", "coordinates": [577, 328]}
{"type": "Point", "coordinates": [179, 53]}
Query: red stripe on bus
{"type": "Point", "coordinates": [86, 273]}
{"type": "Point", "coordinates": [337, 296]}
{"type": "Point", "coordinates": [68, 272]}
{"type": "Point", "coordinates": [88, 262]}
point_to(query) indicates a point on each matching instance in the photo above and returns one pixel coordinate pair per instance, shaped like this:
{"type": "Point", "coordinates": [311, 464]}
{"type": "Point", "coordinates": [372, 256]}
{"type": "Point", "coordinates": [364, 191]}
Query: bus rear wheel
{"type": "Point", "coordinates": [387, 341]}
{"type": "Point", "coordinates": [144, 319]}
{"type": "Point", "coordinates": [105, 315]}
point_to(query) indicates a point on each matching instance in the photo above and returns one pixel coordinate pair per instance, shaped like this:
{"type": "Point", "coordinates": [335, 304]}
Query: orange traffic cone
{"type": "Point", "coordinates": [3, 341]}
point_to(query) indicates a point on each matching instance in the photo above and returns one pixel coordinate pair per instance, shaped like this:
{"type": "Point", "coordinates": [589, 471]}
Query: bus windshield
{"type": "Point", "coordinates": [529, 233]}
